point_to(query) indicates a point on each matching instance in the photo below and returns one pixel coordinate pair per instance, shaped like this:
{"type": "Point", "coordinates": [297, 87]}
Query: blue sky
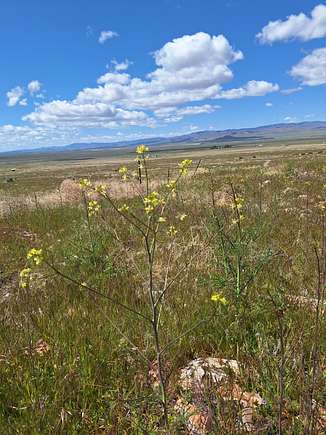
{"type": "Point", "coordinates": [87, 71]}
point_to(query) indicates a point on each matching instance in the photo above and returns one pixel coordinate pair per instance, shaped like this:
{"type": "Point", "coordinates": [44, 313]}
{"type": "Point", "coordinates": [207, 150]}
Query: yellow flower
{"type": "Point", "coordinates": [84, 183]}
{"type": "Point", "coordinates": [24, 277]}
{"type": "Point", "coordinates": [172, 231]}
{"type": "Point", "coordinates": [171, 185]}
{"type": "Point", "coordinates": [149, 209]}
{"type": "Point", "coordinates": [238, 203]}
{"type": "Point", "coordinates": [218, 297]}
{"type": "Point", "coordinates": [182, 217]}
{"type": "Point", "coordinates": [25, 272]}
{"type": "Point", "coordinates": [236, 221]}
{"type": "Point", "coordinates": [123, 171]}
{"type": "Point", "coordinates": [162, 219]}
{"type": "Point", "coordinates": [151, 201]}
{"type": "Point", "coordinates": [124, 208]}
{"type": "Point", "coordinates": [142, 149]}
{"type": "Point", "coordinates": [322, 205]}
{"type": "Point", "coordinates": [184, 166]}
{"type": "Point", "coordinates": [101, 189]}
{"type": "Point", "coordinates": [35, 255]}
{"type": "Point", "coordinates": [93, 207]}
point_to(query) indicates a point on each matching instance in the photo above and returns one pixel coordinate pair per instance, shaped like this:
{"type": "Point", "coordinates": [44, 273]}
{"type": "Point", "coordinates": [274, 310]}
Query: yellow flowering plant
{"type": "Point", "coordinates": [184, 166]}
{"type": "Point", "coordinates": [142, 149]}
{"type": "Point", "coordinates": [147, 221]}
{"type": "Point", "coordinates": [24, 276]}
{"type": "Point", "coordinates": [123, 171]}
{"type": "Point", "coordinates": [93, 207]}
{"type": "Point", "coordinates": [35, 256]}
{"type": "Point", "coordinates": [84, 183]}
{"type": "Point", "coordinates": [218, 298]}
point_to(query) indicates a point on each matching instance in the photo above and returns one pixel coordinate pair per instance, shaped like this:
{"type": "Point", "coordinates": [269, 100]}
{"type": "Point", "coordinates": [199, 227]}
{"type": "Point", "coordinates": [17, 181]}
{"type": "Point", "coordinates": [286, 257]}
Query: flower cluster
{"type": "Point", "coordinates": [238, 220]}
{"type": "Point", "coordinates": [84, 183]}
{"type": "Point", "coordinates": [172, 231]}
{"type": "Point", "coordinates": [93, 207]}
{"type": "Point", "coordinates": [172, 186]}
{"type": "Point", "coordinates": [152, 201]}
{"type": "Point", "coordinates": [123, 171]}
{"type": "Point", "coordinates": [101, 189]}
{"type": "Point", "coordinates": [35, 255]}
{"type": "Point", "coordinates": [184, 166]}
{"type": "Point", "coordinates": [142, 149]}
{"type": "Point", "coordinates": [25, 277]}
{"type": "Point", "coordinates": [238, 203]}
{"type": "Point", "coordinates": [124, 208]}
{"type": "Point", "coordinates": [218, 297]}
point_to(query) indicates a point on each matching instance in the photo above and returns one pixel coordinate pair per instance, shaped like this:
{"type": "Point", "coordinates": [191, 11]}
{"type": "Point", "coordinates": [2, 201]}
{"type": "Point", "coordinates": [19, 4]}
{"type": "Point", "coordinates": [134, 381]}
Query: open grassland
{"type": "Point", "coordinates": [135, 281]}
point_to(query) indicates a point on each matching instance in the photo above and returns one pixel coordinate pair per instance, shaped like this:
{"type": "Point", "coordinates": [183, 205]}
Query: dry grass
{"type": "Point", "coordinates": [73, 362]}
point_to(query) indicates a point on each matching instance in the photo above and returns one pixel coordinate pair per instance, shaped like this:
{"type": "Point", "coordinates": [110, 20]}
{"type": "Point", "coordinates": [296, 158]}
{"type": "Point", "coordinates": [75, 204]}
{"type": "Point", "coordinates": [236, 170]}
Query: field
{"type": "Point", "coordinates": [109, 288]}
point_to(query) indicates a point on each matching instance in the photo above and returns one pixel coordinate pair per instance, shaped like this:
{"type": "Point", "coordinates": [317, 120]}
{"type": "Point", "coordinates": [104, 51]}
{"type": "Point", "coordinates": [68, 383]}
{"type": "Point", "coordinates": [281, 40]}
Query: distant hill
{"type": "Point", "coordinates": [266, 133]}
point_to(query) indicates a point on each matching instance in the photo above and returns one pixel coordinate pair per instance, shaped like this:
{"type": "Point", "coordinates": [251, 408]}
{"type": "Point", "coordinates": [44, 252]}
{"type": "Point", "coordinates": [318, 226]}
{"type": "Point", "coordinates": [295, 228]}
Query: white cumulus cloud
{"type": "Point", "coordinates": [311, 70]}
{"type": "Point", "coordinates": [14, 96]}
{"type": "Point", "coordinates": [174, 114]}
{"type": "Point", "coordinates": [106, 35]}
{"type": "Point", "coordinates": [85, 115]}
{"type": "Point", "coordinates": [290, 119]}
{"type": "Point", "coordinates": [23, 102]}
{"type": "Point", "coordinates": [253, 88]}
{"type": "Point", "coordinates": [299, 26]}
{"type": "Point", "coordinates": [34, 86]}
{"type": "Point", "coordinates": [189, 69]}
{"type": "Point", "coordinates": [23, 136]}
{"type": "Point", "coordinates": [121, 66]}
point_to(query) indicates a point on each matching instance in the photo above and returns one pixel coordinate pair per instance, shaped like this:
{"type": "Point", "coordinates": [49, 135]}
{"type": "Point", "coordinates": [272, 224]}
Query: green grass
{"type": "Point", "coordinates": [92, 379]}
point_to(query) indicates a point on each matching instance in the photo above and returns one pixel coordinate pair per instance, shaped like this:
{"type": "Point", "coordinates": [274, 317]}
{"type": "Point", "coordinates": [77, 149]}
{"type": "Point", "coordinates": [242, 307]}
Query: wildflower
{"type": "Point", "coordinates": [184, 166]}
{"type": "Point", "coordinates": [240, 219]}
{"type": "Point", "coordinates": [152, 201]}
{"type": "Point", "coordinates": [84, 183]}
{"type": "Point", "coordinates": [25, 277]}
{"type": "Point", "coordinates": [182, 217]}
{"type": "Point", "coordinates": [93, 207]}
{"type": "Point", "coordinates": [25, 272]}
{"type": "Point", "coordinates": [123, 171]}
{"type": "Point", "coordinates": [172, 231]}
{"type": "Point", "coordinates": [142, 149]}
{"type": "Point", "coordinates": [322, 205]}
{"type": "Point", "coordinates": [218, 297]}
{"type": "Point", "coordinates": [171, 185]}
{"type": "Point", "coordinates": [101, 189]}
{"type": "Point", "coordinates": [124, 208]}
{"type": "Point", "coordinates": [161, 219]}
{"type": "Point", "coordinates": [238, 203]}
{"type": "Point", "coordinates": [35, 255]}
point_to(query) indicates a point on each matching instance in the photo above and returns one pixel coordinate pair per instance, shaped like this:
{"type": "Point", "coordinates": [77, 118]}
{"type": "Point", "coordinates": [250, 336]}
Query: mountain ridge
{"type": "Point", "coordinates": [269, 132]}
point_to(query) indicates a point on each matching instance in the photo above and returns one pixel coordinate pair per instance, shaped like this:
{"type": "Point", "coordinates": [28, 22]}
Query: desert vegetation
{"type": "Point", "coordinates": [167, 297]}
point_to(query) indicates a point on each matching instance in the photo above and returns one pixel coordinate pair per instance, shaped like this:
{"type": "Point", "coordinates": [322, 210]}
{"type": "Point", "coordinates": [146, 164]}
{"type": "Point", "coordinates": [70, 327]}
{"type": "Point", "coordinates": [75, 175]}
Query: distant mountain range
{"type": "Point", "coordinates": [220, 138]}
